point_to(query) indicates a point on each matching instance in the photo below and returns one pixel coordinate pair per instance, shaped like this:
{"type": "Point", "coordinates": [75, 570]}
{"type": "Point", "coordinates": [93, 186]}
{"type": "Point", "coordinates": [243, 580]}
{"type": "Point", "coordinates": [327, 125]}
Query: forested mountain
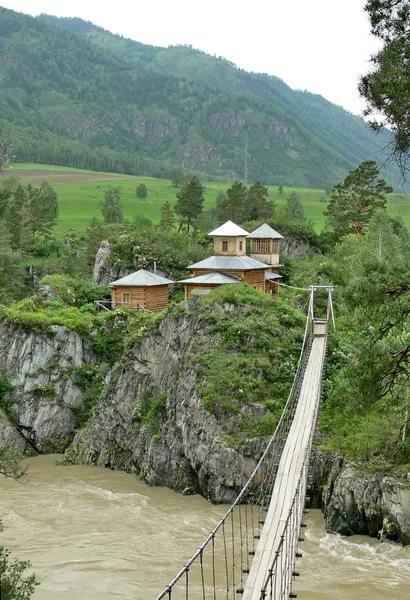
{"type": "Point", "coordinates": [72, 93]}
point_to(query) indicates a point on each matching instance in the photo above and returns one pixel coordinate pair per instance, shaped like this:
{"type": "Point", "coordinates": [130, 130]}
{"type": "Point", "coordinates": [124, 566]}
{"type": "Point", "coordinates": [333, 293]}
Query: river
{"type": "Point", "coordinates": [95, 534]}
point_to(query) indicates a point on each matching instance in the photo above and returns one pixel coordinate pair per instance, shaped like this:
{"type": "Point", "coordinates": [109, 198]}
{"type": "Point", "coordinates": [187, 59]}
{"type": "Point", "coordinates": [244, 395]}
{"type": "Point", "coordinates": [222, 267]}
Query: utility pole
{"type": "Point", "coordinates": [245, 163]}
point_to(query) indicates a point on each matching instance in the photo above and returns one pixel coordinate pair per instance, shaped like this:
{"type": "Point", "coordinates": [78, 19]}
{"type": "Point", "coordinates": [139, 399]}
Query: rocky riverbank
{"type": "Point", "coordinates": [354, 502]}
{"type": "Point", "coordinates": [151, 419]}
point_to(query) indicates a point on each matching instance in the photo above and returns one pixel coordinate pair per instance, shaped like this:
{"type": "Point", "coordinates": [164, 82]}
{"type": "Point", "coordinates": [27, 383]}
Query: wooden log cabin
{"type": "Point", "coordinates": [229, 261]}
{"type": "Point", "coordinates": [140, 290]}
{"type": "Point", "coordinates": [265, 246]}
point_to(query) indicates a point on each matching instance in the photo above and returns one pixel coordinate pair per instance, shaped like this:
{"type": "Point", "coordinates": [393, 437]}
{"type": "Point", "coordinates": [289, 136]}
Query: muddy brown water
{"type": "Point", "coordinates": [91, 533]}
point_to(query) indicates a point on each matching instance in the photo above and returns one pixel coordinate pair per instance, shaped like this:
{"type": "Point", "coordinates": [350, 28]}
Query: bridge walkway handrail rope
{"type": "Point", "coordinates": [220, 566]}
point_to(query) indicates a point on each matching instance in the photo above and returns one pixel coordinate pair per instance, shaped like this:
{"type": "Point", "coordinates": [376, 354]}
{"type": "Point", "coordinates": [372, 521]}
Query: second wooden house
{"type": "Point", "coordinates": [141, 290]}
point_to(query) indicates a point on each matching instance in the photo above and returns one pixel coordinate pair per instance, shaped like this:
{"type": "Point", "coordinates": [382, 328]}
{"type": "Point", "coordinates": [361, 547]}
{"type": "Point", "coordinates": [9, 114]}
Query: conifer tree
{"type": "Point", "coordinates": [237, 205]}
{"type": "Point", "coordinates": [17, 219]}
{"type": "Point", "coordinates": [259, 207]}
{"type": "Point", "coordinates": [190, 200]}
{"type": "Point", "coordinates": [167, 220]}
{"type": "Point", "coordinates": [353, 202]}
{"type": "Point", "coordinates": [111, 206]}
{"type": "Point", "coordinates": [294, 208]}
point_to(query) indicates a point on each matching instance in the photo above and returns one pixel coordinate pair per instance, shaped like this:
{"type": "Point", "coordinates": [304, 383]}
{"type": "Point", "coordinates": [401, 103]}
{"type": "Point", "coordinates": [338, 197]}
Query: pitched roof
{"type": "Point", "coordinates": [215, 278]}
{"type": "Point", "coordinates": [269, 276]}
{"type": "Point", "coordinates": [229, 229]}
{"type": "Point", "coordinates": [225, 263]}
{"type": "Point", "coordinates": [140, 278]}
{"type": "Point", "coordinates": [266, 232]}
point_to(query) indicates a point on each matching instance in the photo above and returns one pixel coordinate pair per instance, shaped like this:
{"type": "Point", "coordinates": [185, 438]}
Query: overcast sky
{"type": "Point", "coordinates": [318, 45]}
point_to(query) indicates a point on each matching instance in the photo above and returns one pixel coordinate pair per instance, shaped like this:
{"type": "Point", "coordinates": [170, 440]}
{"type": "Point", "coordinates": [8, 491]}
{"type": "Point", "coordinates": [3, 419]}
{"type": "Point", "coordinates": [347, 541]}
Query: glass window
{"type": "Point", "coordinates": [225, 246]}
{"type": "Point", "coordinates": [240, 245]}
{"type": "Point", "coordinates": [126, 298]}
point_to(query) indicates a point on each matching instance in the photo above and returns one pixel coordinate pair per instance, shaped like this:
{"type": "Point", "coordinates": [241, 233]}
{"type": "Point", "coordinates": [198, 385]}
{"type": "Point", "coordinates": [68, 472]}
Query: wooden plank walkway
{"type": "Point", "coordinates": [289, 472]}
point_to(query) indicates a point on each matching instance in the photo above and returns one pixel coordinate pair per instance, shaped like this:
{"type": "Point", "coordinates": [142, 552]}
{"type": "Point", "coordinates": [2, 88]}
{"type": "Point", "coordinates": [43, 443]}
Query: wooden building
{"type": "Point", "coordinates": [229, 259]}
{"type": "Point", "coordinates": [140, 290]}
{"type": "Point", "coordinates": [265, 243]}
{"type": "Point", "coordinates": [196, 286]}
{"type": "Point", "coordinates": [265, 246]}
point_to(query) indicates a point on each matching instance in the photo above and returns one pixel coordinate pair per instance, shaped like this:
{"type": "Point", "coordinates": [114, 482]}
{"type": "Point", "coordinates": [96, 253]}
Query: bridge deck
{"type": "Point", "coordinates": [289, 472]}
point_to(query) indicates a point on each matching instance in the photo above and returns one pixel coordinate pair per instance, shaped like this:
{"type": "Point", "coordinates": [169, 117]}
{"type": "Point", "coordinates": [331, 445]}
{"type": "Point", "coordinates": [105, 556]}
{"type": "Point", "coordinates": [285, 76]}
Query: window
{"type": "Point", "coordinates": [225, 246]}
{"type": "Point", "coordinates": [126, 298]}
{"type": "Point", "coordinates": [240, 245]}
{"type": "Point", "coordinates": [261, 246]}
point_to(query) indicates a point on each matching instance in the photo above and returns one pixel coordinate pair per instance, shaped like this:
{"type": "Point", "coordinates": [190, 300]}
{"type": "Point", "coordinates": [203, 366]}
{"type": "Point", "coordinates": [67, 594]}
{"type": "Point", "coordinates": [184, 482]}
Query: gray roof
{"type": "Point", "coordinates": [229, 229]}
{"type": "Point", "coordinates": [215, 278]}
{"type": "Point", "coordinates": [265, 232]}
{"type": "Point", "coordinates": [269, 276]}
{"type": "Point", "coordinates": [140, 278]}
{"type": "Point", "coordinates": [226, 263]}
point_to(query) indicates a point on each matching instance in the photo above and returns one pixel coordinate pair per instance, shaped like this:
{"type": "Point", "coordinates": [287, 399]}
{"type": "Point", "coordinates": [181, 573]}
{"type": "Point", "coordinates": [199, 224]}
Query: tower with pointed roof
{"type": "Point", "coordinates": [265, 245]}
{"type": "Point", "coordinates": [229, 264]}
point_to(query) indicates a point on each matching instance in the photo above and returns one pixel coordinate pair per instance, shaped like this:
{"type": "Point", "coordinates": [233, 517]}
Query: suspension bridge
{"type": "Point", "coordinates": [252, 551]}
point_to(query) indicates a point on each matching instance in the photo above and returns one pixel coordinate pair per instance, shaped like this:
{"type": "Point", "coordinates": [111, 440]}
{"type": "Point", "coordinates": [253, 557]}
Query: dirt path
{"type": "Point", "coordinates": [36, 176]}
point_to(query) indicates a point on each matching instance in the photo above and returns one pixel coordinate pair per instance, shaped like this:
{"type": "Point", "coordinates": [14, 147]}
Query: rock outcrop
{"type": "Point", "coordinates": [41, 369]}
{"type": "Point", "coordinates": [151, 420]}
{"type": "Point", "coordinates": [357, 503]}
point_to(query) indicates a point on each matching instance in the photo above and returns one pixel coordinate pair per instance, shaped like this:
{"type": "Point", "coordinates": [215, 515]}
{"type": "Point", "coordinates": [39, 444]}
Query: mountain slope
{"type": "Point", "coordinates": [67, 80]}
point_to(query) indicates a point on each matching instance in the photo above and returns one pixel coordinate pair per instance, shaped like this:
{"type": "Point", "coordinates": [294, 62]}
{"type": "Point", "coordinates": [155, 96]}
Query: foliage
{"type": "Point", "coordinates": [141, 191]}
{"type": "Point", "coordinates": [111, 207]}
{"type": "Point", "coordinates": [190, 200]}
{"type": "Point", "coordinates": [235, 208]}
{"type": "Point", "coordinates": [75, 291]}
{"type": "Point", "coordinates": [294, 208]}
{"type": "Point", "coordinates": [150, 411]}
{"type": "Point", "coordinates": [246, 373]}
{"type": "Point", "coordinates": [170, 249]}
{"type": "Point", "coordinates": [353, 202]}
{"type": "Point", "coordinates": [167, 220]}
{"type": "Point", "coordinates": [366, 413]}
{"type": "Point", "coordinates": [259, 207]}
{"type": "Point", "coordinates": [10, 463]}
{"type": "Point", "coordinates": [91, 382]}
{"type": "Point", "coordinates": [385, 88]}
{"type": "Point", "coordinates": [14, 585]}
{"type": "Point", "coordinates": [158, 107]}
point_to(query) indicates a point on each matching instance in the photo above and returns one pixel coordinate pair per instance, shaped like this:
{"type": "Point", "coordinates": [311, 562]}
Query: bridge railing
{"type": "Point", "coordinates": [278, 582]}
{"type": "Point", "coordinates": [219, 567]}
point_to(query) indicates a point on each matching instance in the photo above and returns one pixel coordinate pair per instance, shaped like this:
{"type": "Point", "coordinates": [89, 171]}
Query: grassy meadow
{"type": "Point", "coordinates": [80, 193]}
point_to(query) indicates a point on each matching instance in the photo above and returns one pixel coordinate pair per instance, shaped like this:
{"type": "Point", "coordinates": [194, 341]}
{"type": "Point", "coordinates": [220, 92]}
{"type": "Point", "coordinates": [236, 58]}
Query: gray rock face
{"type": "Point", "coordinates": [295, 247]}
{"type": "Point", "coordinates": [182, 445]}
{"type": "Point", "coordinates": [355, 503]}
{"type": "Point", "coordinates": [40, 368]}
{"type": "Point", "coordinates": [9, 435]}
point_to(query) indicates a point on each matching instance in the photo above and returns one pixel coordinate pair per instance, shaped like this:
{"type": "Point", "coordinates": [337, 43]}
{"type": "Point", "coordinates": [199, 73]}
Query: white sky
{"type": "Point", "coordinates": [318, 45]}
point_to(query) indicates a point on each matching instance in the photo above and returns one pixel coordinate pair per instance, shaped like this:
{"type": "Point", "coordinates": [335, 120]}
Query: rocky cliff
{"type": "Point", "coordinates": [151, 420]}
{"type": "Point", "coordinates": [43, 369]}
{"type": "Point", "coordinates": [354, 502]}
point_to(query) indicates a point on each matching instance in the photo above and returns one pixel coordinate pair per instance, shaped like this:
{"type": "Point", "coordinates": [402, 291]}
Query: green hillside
{"type": "Point", "coordinates": [73, 94]}
{"type": "Point", "coordinates": [80, 193]}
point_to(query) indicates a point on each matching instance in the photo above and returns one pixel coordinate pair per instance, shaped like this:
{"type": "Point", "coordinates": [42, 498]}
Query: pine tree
{"type": "Point", "coordinates": [141, 191]}
{"type": "Point", "coordinates": [17, 218]}
{"type": "Point", "coordinates": [294, 208]}
{"type": "Point", "coordinates": [111, 206]}
{"type": "Point", "coordinates": [190, 200]}
{"type": "Point", "coordinates": [353, 202]}
{"type": "Point", "coordinates": [43, 208]}
{"type": "Point", "coordinates": [259, 207]}
{"type": "Point", "coordinates": [167, 220]}
{"type": "Point", "coordinates": [237, 206]}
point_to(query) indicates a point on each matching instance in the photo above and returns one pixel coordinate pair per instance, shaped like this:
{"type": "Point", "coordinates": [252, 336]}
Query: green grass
{"type": "Point", "coordinates": [79, 202]}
